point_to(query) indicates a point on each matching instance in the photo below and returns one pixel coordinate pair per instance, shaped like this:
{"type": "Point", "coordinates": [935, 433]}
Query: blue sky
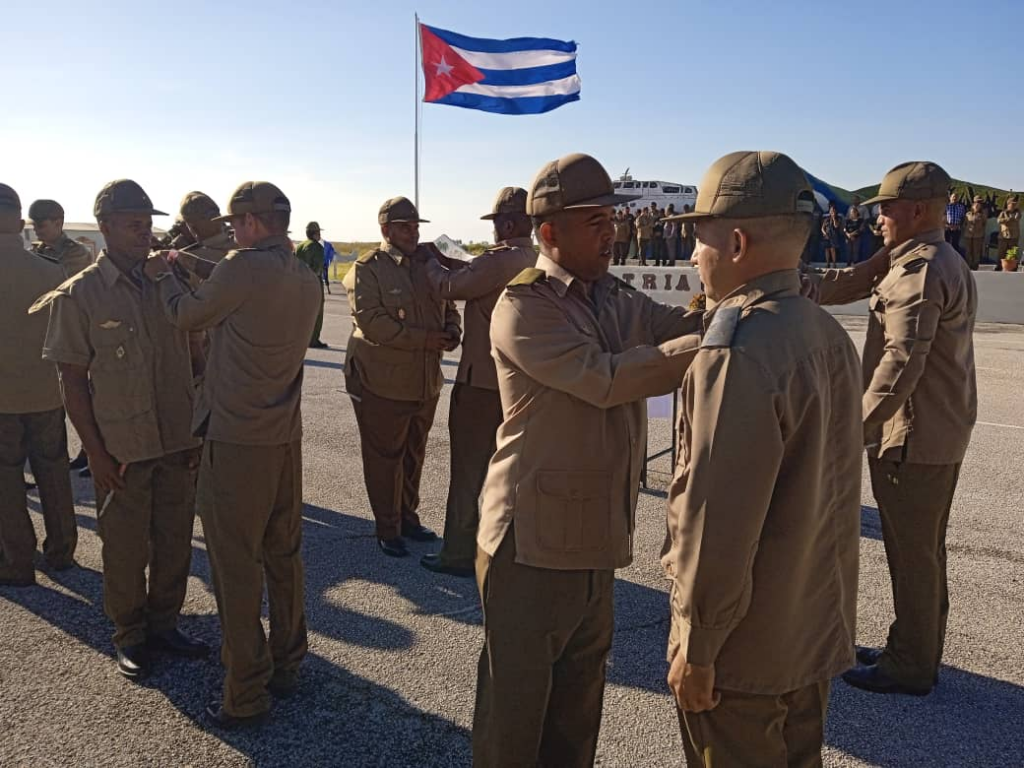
{"type": "Point", "coordinates": [318, 97]}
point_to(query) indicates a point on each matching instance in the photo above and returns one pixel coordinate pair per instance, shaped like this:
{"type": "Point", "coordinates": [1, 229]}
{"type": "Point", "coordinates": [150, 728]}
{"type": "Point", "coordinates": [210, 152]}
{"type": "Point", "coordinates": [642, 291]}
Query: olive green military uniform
{"type": "Point", "coordinates": [31, 415]}
{"type": "Point", "coordinates": [644, 234]}
{"type": "Point", "coordinates": [574, 362]}
{"type": "Point", "coordinates": [770, 463]}
{"type": "Point", "coordinates": [258, 306]}
{"type": "Point", "coordinates": [311, 253]}
{"type": "Point", "coordinates": [475, 411]}
{"type": "Point", "coordinates": [1009, 231]}
{"type": "Point", "coordinates": [71, 256]}
{"type": "Point", "coordinates": [974, 236]}
{"type": "Point", "coordinates": [919, 407]}
{"type": "Point", "coordinates": [393, 380]}
{"type": "Point", "coordinates": [140, 371]}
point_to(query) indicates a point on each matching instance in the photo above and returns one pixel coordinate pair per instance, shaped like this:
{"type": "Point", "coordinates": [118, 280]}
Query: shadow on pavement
{"type": "Point", "coordinates": [968, 720]}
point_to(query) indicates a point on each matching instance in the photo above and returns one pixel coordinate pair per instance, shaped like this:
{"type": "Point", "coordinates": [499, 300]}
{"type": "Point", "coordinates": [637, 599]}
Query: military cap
{"type": "Point", "coordinates": [255, 197]}
{"type": "Point", "coordinates": [509, 200]}
{"type": "Point", "coordinates": [399, 209]}
{"type": "Point", "coordinates": [198, 206]}
{"type": "Point", "coordinates": [574, 181]}
{"type": "Point", "coordinates": [44, 210]}
{"type": "Point", "coordinates": [9, 199]}
{"type": "Point", "coordinates": [123, 196]}
{"type": "Point", "coordinates": [313, 225]}
{"type": "Point", "coordinates": [751, 185]}
{"type": "Point", "coordinates": [916, 180]}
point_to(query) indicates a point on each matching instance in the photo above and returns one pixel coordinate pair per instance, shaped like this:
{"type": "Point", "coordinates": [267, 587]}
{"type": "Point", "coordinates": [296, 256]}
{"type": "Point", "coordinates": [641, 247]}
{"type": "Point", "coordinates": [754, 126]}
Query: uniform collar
{"type": "Point", "coordinates": [517, 242]}
{"type": "Point", "coordinates": [785, 281]}
{"type": "Point", "coordinates": [108, 269]}
{"type": "Point", "coordinates": [563, 278]}
{"type": "Point", "coordinates": [931, 237]}
{"type": "Point", "coordinates": [393, 252]}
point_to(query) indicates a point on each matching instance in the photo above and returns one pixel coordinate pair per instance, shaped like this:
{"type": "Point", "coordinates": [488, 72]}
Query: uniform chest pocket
{"type": "Point", "coordinates": [117, 348]}
{"type": "Point", "coordinates": [395, 300]}
{"type": "Point", "coordinates": [573, 510]}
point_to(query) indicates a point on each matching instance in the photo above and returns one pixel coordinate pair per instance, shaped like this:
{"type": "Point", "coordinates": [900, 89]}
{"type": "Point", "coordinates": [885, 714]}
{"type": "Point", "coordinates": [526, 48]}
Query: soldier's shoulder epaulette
{"type": "Point", "coordinates": [722, 329]}
{"type": "Point", "coordinates": [64, 289]}
{"type": "Point", "coordinates": [915, 265]}
{"type": "Point", "coordinates": [365, 257]}
{"type": "Point", "coordinates": [528, 276]}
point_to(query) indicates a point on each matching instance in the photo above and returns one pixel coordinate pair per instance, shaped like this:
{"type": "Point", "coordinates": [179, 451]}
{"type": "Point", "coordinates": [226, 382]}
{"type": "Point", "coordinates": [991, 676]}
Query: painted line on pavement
{"type": "Point", "coordinates": [1004, 426]}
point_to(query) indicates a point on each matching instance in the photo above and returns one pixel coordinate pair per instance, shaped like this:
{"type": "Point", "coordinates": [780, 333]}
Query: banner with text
{"type": "Point", "coordinates": [669, 285]}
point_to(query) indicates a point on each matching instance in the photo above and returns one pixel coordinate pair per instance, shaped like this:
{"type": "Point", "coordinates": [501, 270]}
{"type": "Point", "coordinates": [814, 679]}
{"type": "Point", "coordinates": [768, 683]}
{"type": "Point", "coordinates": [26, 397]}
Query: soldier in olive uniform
{"type": "Point", "coordinates": [259, 306]}
{"type": "Point", "coordinates": [311, 253]}
{"type": "Point", "coordinates": [770, 464]}
{"type": "Point", "coordinates": [475, 411]}
{"type": "Point", "coordinates": [920, 403]}
{"type": "Point", "coordinates": [577, 351]}
{"type": "Point", "coordinates": [127, 379]}
{"type": "Point", "coordinates": [31, 411]}
{"type": "Point", "coordinates": [201, 216]}
{"type": "Point", "coordinates": [1009, 229]}
{"type": "Point", "coordinates": [974, 232]}
{"type": "Point", "coordinates": [47, 217]}
{"type": "Point", "coordinates": [400, 329]}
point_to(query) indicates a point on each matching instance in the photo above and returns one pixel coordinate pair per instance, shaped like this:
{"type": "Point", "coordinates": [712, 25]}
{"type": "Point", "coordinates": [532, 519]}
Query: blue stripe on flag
{"type": "Point", "coordinates": [529, 105]}
{"type": "Point", "coordinates": [528, 76]}
{"type": "Point", "coordinates": [484, 45]}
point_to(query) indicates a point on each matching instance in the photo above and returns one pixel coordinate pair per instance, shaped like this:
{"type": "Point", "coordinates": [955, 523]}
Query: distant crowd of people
{"type": "Point", "coordinates": [983, 232]}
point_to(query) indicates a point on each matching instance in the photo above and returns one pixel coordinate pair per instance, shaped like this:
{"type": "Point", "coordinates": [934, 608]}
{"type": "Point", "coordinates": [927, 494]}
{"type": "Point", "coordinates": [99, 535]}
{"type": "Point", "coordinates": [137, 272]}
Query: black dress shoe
{"type": "Point", "coordinates": [393, 547]}
{"type": "Point", "coordinates": [871, 678]}
{"type": "Point", "coordinates": [178, 643]}
{"type": "Point", "coordinates": [317, 345]}
{"type": "Point", "coordinates": [418, 533]}
{"type": "Point", "coordinates": [218, 718]}
{"type": "Point", "coordinates": [433, 563]}
{"type": "Point", "coordinates": [12, 579]}
{"type": "Point", "coordinates": [283, 685]}
{"type": "Point", "coordinates": [868, 656]}
{"type": "Point", "coordinates": [62, 565]}
{"type": "Point", "coordinates": [133, 661]}
{"type": "Point", "coordinates": [81, 461]}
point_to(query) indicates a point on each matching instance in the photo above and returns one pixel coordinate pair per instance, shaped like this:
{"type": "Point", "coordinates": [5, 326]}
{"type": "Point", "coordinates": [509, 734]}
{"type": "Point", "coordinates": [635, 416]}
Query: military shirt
{"type": "Point", "coordinates": [140, 368]}
{"type": "Point", "coordinates": [974, 224]}
{"type": "Point", "coordinates": [259, 306]}
{"type": "Point", "coordinates": [479, 284]}
{"type": "Point", "coordinates": [311, 253]}
{"type": "Point", "coordinates": [71, 256]}
{"type": "Point", "coordinates": [1009, 225]}
{"type": "Point", "coordinates": [622, 231]}
{"type": "Point", "coordinates": [28, 384]}
{"type": "Point", "coordinates": [920, 389]}
{"type": "Point", "coordinates": [213, 248]}
{"type": "Point", "coordinates": [393, 308]}
{"type": "Point", "coordinates": [764, 506]}
{"type": "Point", "coordinates": [575, 362]}
{"type": "Point", "coordinates": [645, 226]}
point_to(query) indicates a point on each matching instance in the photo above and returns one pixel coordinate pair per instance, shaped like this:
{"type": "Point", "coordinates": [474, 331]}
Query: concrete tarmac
{"type": "Point", "coordinates": [391, 673]}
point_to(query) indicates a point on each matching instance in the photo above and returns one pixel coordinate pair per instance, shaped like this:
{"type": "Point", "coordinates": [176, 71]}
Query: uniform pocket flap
{"type": "Point", "coordinates": [574, 485]}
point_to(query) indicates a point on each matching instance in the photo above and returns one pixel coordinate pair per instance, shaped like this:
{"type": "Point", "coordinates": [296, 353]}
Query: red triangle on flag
{"type": "Point", "coordinates": [443, 69]}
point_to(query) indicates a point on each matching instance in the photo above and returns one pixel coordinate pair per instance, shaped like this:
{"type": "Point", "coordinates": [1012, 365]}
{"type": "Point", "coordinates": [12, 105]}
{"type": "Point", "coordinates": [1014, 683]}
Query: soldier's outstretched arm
{"type": "Point", "coordinates": [845, 286]}
{"type": "Point", "coordinates": [212, 301]}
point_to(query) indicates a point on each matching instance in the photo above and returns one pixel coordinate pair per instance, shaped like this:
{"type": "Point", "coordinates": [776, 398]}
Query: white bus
{"type": "Point", "coordinates": [662, 193]}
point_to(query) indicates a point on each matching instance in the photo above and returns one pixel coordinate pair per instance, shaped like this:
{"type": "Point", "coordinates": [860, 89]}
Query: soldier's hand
{"type": "Point", "coordinates": [437, 341]}
{"type": "Point", "coordinates": [693, 685]}
{"type": "Point", "coordinates": [453, 342]}
{"type": "Point", "coordinates": [107, 473]}
{"type": "Point", "coordinates": [156, 265]}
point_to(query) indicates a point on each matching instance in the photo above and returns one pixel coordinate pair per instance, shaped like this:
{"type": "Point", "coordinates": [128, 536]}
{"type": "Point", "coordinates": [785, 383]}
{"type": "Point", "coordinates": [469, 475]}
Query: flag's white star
{"type": "Point", "coordinates": [443, 67]}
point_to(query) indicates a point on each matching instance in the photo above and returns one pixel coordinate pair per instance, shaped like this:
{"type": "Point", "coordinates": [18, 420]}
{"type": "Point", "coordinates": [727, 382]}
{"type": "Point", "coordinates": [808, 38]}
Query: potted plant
{"type": "Point", "coordinates": [1010, 259]}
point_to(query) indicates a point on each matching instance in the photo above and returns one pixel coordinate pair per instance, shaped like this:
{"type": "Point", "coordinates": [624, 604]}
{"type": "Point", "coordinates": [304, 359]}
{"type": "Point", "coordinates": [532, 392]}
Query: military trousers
{"type": "Point", "coordinates": [319, 325]}
{"type": "Point", "coordinates": [975, 250]}
{"type": "Point", "coordinates": [750, 730]}
{"type": "Point", "coordinates": [41, 438]}
{"type": "Point", "coordinates": [147, 523]}
{"type": "Point", "coordinates": [250, 503]}
{"type": "Point", "coordinates": [473, 420]}
{"type": "Point", "coordinates": [914, 502]}
{"type": "Point", "coordinates": [620, 251]}
{"type": "Point", "coordinates": [643, 246]}
{"type": "Point", "coordinates": [393, 436]}
{"type": "Point", "coordinates": [540, 680]}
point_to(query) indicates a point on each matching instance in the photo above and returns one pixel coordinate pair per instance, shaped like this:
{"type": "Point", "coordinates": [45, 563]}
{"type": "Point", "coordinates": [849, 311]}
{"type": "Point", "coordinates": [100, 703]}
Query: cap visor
{"type": "Point", "coordinates": [879, 199]}
{"type": "Point", "coordinates": [602, 201]}
{"type": "Point", "coordinates": [688, 216]}
{"type": "Point", "coordinates": [225, 218]}
{"type": "Point", "coordinates": [409, 221]}
{"type": "Point", "coordinates": [489, 217]}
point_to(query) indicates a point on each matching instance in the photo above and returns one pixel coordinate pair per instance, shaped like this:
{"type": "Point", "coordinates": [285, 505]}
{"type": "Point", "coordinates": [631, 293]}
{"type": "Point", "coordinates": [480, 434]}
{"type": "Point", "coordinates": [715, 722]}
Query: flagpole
{"type": "Point", "coordinates": [416, 111]}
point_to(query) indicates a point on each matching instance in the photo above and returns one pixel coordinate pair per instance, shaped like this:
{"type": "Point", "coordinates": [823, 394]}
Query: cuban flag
{"type": "Point", "coordinates": [522, 76]}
